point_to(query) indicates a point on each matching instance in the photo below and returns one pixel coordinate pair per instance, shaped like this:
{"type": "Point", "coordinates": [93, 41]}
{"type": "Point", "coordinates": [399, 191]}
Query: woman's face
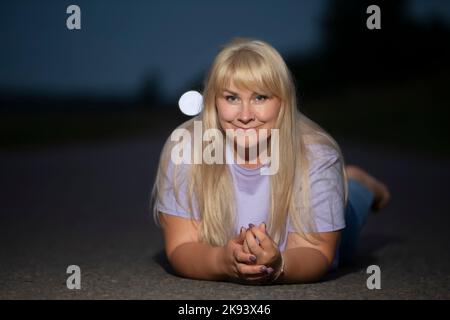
{"type": "Point", "coordinates": [244, 109]}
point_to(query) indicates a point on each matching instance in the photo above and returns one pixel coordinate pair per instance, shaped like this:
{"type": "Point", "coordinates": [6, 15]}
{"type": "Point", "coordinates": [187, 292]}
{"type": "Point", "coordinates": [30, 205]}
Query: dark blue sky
{"type": "Point", "coordinates": [121, 42]}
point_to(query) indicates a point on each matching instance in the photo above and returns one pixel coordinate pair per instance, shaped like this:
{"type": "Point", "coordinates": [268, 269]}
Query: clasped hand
{"type": "Point", "coordinates": [252, 257]}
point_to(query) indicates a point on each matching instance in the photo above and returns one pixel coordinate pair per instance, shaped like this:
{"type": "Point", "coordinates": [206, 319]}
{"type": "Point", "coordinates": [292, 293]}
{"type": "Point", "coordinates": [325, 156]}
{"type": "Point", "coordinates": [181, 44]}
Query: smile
{"type": "Point", "coordinates": [246, 129]}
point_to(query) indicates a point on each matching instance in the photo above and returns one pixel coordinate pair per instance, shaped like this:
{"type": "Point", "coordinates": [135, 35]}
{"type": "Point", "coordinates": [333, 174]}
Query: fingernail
{"type": "Point", "coordinates": [252, 258]}
{"type": "Point", "coordinates": [251, 225]}
{"type": "Point", "coordinates": [269, 270]}
{"type": "Point", "coordinates": [263, 269]}
{"type": "Point", "coordinates": [242, 229]}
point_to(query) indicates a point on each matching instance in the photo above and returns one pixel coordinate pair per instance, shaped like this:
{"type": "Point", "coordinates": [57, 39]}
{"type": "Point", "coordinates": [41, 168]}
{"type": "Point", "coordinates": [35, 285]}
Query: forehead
{"type": "Point", "coordinates": [245, 89]}
{"type": "Point", "coordinates": [232, 88]}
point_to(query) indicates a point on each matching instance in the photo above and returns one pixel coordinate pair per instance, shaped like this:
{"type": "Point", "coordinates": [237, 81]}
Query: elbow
{"type": "Point", "coordinates": [318, 274]}
{"type": "Point", "coordinates": [325, 265]}
{"type": "Point", "coordinates": [307, 265]}
{"type": "Point", "coordinates": [324, 268]}
{"type": "Point", "coordinates": [171, 255]}
{"type": "Point", "coordinates": [178, 261]}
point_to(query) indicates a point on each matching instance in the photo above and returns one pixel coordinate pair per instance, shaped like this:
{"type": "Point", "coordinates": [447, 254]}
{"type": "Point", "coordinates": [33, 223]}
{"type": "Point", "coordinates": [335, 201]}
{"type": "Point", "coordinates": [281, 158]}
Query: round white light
{"type": "Point", "coordinates": [191, 103]}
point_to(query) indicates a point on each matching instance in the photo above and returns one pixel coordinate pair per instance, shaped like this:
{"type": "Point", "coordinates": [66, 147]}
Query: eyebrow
{"type": "Point", "coordinates": [237, 94]}
{"type": "Point", "coordinates": [233, 93]}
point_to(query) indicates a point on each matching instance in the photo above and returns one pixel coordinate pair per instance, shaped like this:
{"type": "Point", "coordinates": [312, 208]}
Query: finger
{"type": "Point", "coordinates": [240, 239]}
{"type": "Point", "coordinates": [253, 280]}
{"type": "Point", "coordinates": [252, 244]}
{"type": "Point", "coordinates": [251, 226]}
{"type": "Point", "coordinates": [256, 279]}
{"type": "Point", "coordinates": [244, 257]}
{"type": "Point", "coordinates": [245, 247]}
{"type": "Point", "coordinates": [248, 270]}
{"type": "Point", "coordinates": [262, 227]}
{"type": "Point", "coordinates": [264, 239]}
{"type": "Point", "coordinates": [259, 278]}
{"type": "Point", "coordinates": [266, 272]}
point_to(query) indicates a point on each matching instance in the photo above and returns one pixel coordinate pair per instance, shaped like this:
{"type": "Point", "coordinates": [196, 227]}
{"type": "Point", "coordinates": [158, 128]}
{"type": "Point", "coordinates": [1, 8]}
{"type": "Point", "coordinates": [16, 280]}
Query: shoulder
{"type": "Point", "coordinates": [321, 148]}
{"type": "Point", "coordinates": [321, 151]}
{"type": "Point", "coordinates": [321, 157]}
{"type": "Point", "coordinates": [327, 188]}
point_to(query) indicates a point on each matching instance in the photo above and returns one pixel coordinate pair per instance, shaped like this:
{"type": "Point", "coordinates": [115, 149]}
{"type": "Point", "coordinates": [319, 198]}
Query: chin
{"type": "Point", "coordinates": [248, 143]}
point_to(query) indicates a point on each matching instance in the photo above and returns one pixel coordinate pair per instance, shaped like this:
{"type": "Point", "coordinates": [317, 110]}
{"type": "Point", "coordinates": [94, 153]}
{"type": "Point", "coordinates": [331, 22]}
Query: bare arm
{"type": "Point", "coordinates": [193, 259]}
{"type": "Point", "coordinates": [306, 262]}
{"type": "Point", "coordinates": [303, 261]}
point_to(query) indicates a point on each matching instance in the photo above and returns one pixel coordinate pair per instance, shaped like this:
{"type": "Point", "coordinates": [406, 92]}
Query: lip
{"type": "Point", "coordinates": [245, 129]}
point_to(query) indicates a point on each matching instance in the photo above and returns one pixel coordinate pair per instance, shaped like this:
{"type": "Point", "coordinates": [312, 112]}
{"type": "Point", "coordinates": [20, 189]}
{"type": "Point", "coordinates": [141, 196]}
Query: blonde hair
{"type": "Point", "coordinates": [256, 66]}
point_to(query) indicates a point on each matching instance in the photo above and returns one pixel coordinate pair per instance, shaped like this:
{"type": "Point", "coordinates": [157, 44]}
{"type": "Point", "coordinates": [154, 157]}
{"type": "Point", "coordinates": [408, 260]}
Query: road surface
{"type": "Point", "coordinates": [88, 205]}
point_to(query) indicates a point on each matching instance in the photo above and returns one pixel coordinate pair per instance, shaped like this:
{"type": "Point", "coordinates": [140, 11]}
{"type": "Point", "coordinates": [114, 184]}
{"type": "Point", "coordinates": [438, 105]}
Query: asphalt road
{"type": "Point", "coordinates": [88, 205]}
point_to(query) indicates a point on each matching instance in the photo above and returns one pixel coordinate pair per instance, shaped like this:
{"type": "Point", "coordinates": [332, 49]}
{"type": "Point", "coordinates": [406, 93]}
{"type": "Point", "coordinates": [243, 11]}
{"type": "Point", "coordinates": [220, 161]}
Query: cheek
{"type": "Point", "coordinates": [226, 113]}
{"type": "Point", "coordinates": [269, 113]}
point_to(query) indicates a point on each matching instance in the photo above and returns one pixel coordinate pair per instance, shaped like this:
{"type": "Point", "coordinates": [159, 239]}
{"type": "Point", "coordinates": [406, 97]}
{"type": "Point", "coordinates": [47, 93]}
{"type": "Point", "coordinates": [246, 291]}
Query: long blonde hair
{"type": "Point", "coordinates": [256, 66]}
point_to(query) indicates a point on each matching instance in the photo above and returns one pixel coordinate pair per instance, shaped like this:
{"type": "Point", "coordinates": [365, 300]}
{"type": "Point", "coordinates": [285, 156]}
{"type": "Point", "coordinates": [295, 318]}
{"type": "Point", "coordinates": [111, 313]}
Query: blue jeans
{"type": "Point", "coordinates": [358, 207]}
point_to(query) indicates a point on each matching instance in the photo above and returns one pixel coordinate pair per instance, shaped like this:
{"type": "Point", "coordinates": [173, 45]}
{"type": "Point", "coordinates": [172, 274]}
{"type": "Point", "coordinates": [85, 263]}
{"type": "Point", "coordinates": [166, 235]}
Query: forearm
{"type": "Point", "coordinates": [303, 265]}
{"type": "Point", "coordinates": [198, 261]}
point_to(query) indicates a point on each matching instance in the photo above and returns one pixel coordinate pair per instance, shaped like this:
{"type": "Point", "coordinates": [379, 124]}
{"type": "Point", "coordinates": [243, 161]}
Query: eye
{"type": "Point", "coordinates": [260, 98]}
{"type": "Point", "coordinates": [231, 98]}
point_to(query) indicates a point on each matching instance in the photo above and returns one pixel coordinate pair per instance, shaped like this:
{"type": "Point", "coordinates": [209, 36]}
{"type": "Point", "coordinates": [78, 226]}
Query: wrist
{"type": "Point", "coordinates": [221, 263]}
{"type": "Point", "coordinates": [279, 271]}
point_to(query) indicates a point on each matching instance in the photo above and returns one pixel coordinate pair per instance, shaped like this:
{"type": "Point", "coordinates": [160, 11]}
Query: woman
{"type": "Point", "coordinates": [227, 221]}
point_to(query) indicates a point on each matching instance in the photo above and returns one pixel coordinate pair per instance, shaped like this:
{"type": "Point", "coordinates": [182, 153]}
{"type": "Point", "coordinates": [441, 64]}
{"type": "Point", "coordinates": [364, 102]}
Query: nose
{"type": "Point", "coordinates": [246, 115]}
